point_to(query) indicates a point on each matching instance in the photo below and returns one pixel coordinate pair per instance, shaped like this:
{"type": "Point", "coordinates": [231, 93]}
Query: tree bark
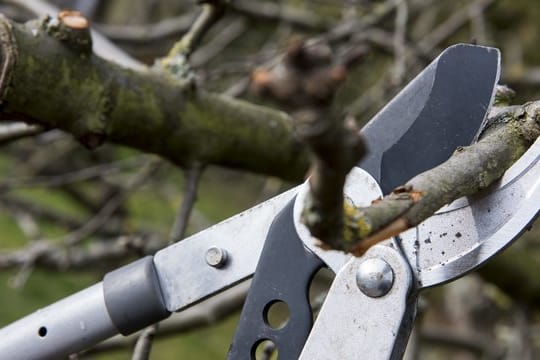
{"type": "Point", "coordinates": [47, 78]}
{"type": "Point", "coordinates": [469, 170]}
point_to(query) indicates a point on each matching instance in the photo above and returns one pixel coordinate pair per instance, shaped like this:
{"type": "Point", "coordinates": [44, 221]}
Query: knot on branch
{"type": "Point", "coordinates": [305, 81]}
{"type": "Point", "coordinates": [93, 128]}
{"type": "Point", "coordinates": [72, 28]}
{"type": "Point", "coordinates": [92, 141]}
{"type": "Point", "coordinates": [307, 76]}
{"type": "Point", "coordinates": [504, 96]}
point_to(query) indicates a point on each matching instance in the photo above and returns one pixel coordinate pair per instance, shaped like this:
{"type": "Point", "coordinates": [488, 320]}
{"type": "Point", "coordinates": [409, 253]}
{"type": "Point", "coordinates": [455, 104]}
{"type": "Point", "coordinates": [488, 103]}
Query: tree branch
{"type": "Point", "coordinates": [177, 60]}
{"type": "Point", "coordinates": [192, 177]}
{"type": "Point", "coordinates": [266, 10]}
{"type": "Point", "coordinates": [469, 170]}
{"type": "Point", "coordinates": [53, 255]}
{"type": "Point", "coordinates": [306, 80]}
{"type": "Point", "coordinates": [53, 83]}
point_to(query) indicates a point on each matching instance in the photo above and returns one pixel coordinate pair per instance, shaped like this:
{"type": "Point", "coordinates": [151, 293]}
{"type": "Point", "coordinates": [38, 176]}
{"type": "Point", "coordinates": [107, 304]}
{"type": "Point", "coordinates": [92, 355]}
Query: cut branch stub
{"type": "Point", "coordinates": [72, 28]}
{"type": "Point", "coordinates": [307, 76]}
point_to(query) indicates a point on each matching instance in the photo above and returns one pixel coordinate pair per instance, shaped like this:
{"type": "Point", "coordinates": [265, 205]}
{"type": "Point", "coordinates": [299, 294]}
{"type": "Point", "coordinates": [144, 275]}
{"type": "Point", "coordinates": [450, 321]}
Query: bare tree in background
{"type": "Point", "coordinates": [216, 66]}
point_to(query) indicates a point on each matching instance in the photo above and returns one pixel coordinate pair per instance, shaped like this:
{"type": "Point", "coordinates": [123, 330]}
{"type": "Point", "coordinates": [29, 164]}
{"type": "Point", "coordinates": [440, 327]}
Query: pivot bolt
{"type": "Point", "coordinates": [375, 277]}
{"type": "Point", "coordinates": [216, 257]}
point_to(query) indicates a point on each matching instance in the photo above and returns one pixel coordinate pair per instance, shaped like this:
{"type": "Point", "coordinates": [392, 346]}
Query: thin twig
{"type": "Point", "coordinates": [451, 25]}
{"type": "Point", "coordinates": [32, 231]}
{"type": "Point", "coordinates": [145, 33]}
{"type": "Point", "coordinates": [16, 131]}
{"type": "Point", "coordinates": [53, 255]}
{"type": "Point", "coordinates": [50, 215]}
{"type": "Point", "coordinates": [143, 346]}
{"type": "Point", "coordinates": [106, 211]}
{"type": "Point", "coordinates": [267, 10]}
{"type": "Point", "coordinates": [211, 12]}
{"type": "Point", "coordinates": [522, 319]}
{"type": "Point", "coordinates": [478, 24]}
{"type": "Point", "coordinates": [400, 31]}
{"type": "Point", "coordinates": [193, 175]}
{"type": "Point", "coordinates": [27, 224]}
{"type": "Point", "coordinates": [475, 343]}
{"type": "Point", "coordinates": [145, 340]}
{"type": "Point", "coordinates": [346, 29]}
{"type": "Point", "coordinates": [97, 171]}
{"type": "Point", "coordinates": [226, 36]}
{"type": "Point", "coordinates": [423, 49]}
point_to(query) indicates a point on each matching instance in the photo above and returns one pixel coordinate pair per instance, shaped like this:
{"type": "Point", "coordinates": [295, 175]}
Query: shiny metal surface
{"type": "Point", "coordinates": [68, 326]}
{"type": "Point", "coordinates": [184, 274]}
{"type": "Point", "coordinates": [216, 257]}
{"type": "Point", "coordinates": [352, 325]}
{"type": "Point", "coordinates": [361, 189]}
{"type": "Point", "coordinates": [464, 234]}
{"type": "Point", "coordinates": [420, 122]}
{"type": "Point", "coordinates": [375, 277]}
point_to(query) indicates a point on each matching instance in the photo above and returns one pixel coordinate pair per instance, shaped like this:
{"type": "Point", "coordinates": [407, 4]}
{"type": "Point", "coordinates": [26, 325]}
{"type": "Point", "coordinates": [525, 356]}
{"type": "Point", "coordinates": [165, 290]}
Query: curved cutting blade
{"type": "Point", "coordinates": [442, 108]}
{"type": "Point", "coordinates": [464, 234]}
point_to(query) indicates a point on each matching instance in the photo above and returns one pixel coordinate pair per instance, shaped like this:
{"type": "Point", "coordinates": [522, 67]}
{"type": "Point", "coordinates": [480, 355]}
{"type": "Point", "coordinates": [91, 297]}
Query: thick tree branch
{"type": "Point", "coordinates": [53, 83]}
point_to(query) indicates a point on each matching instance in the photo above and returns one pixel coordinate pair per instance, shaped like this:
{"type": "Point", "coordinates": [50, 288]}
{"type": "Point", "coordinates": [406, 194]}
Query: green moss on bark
{"type": "Point", "coordinates": [98, 101]}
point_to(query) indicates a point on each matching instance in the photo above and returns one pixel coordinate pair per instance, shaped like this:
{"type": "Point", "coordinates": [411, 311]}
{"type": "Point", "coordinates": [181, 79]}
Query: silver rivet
{"type": "Point", "coordinates": [216, 257]}
{"type": "Point", "coordinates": [375, 277]}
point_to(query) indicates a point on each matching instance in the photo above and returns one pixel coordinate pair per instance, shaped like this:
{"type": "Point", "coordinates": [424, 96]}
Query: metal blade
{"type": "Point", "coordinates": [285, 271]}
{"type": "Point", "coordinates": [464, 234]}
{"type": "Point", "coordinates": [280, 277]}
{"type": "Point", "coordinates": [442, 108]}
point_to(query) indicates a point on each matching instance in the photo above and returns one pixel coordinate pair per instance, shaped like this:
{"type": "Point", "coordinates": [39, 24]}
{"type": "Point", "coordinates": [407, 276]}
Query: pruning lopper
{"type": "Point", "coordinates": [370, 307]}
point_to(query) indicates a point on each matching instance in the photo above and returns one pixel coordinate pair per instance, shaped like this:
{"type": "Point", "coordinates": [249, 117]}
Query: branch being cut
{"type": "Point", "coordinates": [470, 169]}
{"type": "Point", "coordinates": [306, 81]}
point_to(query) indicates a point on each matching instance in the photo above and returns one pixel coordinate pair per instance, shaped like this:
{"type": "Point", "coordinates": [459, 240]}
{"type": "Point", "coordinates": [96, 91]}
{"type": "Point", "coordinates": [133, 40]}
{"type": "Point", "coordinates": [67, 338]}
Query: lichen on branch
{"type": "Point", "coordinates": [305, 81]}
{"type": "Point", "coordinates": [48, 81]}
{"type": "Point", "coordinates": [469, 170]}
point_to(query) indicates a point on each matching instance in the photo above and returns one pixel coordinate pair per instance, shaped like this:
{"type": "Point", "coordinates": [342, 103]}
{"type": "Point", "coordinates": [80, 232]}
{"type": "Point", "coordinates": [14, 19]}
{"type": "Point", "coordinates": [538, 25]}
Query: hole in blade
{"type": "Point", "coordinates": [264, 350]}
{"type": "Point", "coordinates": [42, 332]}
{"type": "Point", "coordinates": [276, 314]}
